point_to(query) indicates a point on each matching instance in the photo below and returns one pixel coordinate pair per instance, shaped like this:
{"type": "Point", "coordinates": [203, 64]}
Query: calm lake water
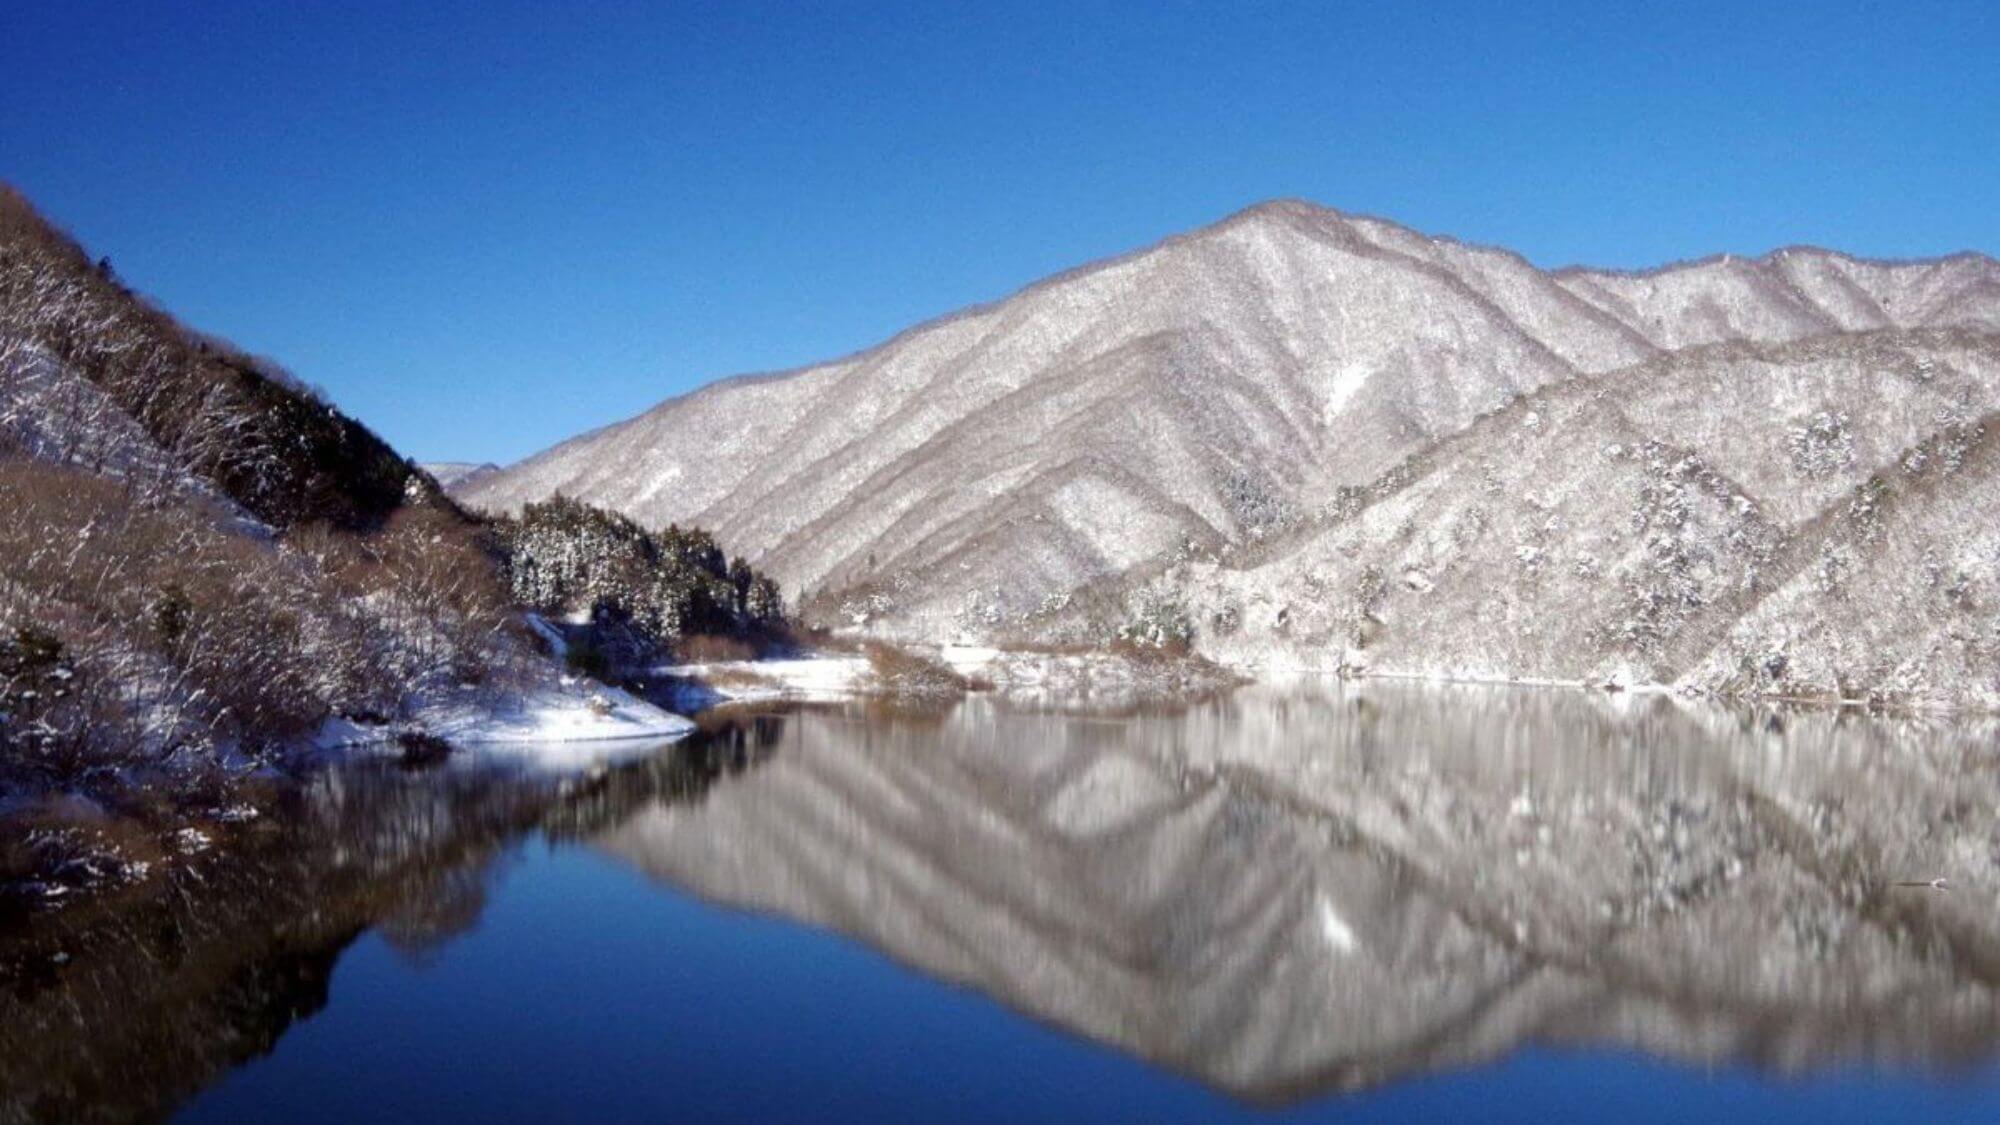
{"type": "Point", "coordinates": [1391, 903]}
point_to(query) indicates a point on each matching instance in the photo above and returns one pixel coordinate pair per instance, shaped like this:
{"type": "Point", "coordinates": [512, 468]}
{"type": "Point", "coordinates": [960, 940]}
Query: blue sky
{"type": "Point", "coordinates": [485, 227]}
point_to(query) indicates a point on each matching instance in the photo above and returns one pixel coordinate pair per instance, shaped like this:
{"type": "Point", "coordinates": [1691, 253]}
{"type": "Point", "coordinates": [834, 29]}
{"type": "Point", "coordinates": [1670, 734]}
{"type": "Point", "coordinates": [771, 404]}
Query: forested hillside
{"type": "Point", "coordinates": [200, 553]}
{"type": "Point", "coordinates": [238, 424]}
{"type": "Point", "coordinates": [203, 563]}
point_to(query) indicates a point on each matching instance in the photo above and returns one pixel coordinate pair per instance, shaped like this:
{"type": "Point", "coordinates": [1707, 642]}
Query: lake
{"type": "Point", "coordinates": [1385, 902]}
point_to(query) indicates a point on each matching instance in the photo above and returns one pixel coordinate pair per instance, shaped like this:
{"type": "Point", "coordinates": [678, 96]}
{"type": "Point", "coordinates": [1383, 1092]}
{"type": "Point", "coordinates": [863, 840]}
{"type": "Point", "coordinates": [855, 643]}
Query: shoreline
{"type": "Point", "coordinates": [85, 849]}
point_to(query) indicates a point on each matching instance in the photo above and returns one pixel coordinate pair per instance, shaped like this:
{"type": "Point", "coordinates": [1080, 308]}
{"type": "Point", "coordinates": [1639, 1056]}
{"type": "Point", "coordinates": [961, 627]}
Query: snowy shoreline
{"type": "Point", "coordinates": [559, 725]}
{"type": "Point", "coordinates": [1097, 677]}
{"type": "Point", "coordinates": [1110, 678]}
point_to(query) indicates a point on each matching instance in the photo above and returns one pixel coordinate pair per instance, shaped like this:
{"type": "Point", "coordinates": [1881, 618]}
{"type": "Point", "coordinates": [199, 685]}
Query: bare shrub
{"type": "Point", "coordinates": [183, 636]}
{"type": "Point", "coordinates": [902, 672]}
{"type": "Point", "coordinates": [708, 648]}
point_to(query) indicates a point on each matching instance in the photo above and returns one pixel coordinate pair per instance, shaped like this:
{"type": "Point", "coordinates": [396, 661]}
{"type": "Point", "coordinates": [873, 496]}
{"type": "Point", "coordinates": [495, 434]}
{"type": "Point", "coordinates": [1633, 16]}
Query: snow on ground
{"type": "Point", "coordinates": [339, 734]}
{"type": "Point", "coordinates": [818, 678]}
{"type": "Point", "coordinates": [1093, 678]}
{"type": "Point", "coordinates": [571, 711]}
{"type": "Point", "coordinates": [1097, 677]}
{"type": "Point", "coordinates": [560, 724]}
{"type": "Point", "coordinates": [969, 659]}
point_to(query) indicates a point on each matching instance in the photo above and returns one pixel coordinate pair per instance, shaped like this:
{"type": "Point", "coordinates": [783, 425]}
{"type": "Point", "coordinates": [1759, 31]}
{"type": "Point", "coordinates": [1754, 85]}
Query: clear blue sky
{"type": "Point", "coordinates": [484, 227]}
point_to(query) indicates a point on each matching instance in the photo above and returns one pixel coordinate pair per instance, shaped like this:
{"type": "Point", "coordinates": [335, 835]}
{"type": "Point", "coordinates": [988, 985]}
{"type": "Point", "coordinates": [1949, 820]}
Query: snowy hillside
{"type": "Point", "coordinates": [203, 564]}
{"type": "Point", "coordinates": [1808, 519]}
{"type": "Point", "coordinates": [1016, 469]}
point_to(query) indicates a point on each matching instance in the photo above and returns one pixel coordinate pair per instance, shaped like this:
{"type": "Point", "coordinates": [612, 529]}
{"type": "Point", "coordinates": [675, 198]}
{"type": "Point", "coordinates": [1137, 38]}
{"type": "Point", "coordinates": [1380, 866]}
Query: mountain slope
{"type": "Point", "coordinates": [1811, 518]}
{"type": "Point", "coordinates": [455, 474]}
{"type": "Point", "coordinates": [200, 560]}
{"type": "Point", "coordinates": [92, 375]}
{"type": "Point", "coordinates": [1205, 392]}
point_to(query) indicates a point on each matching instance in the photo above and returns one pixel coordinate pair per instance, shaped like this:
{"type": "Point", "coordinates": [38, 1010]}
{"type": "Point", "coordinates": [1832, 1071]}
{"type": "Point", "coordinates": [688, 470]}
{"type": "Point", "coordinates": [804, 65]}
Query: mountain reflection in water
{"type": "Point", "coordinates": [1290, 891]}
{"type": "Point", "coordinates": [1298, 890]}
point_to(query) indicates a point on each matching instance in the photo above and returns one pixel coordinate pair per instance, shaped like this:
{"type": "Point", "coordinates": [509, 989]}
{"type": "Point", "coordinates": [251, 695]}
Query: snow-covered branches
{"type": "Point", "coordinates": [160, 393]}
{"type": "Point", "coordinates": [1157, 618]}
{"type": "Point", "coordinates": [1822, 446]}
{"type": "Point", "coordinates": [566, 557]}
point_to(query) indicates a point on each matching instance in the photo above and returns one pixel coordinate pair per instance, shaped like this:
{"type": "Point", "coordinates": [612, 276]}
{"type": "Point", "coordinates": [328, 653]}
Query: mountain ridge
{"type": "Point", "coordinates": [976, 471]}
{"type": "Point", "coordinates": [1266, 208]}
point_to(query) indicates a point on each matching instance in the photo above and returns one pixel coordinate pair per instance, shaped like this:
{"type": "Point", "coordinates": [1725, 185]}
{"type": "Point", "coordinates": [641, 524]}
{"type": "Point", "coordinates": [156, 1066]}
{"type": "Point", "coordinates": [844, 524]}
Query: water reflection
{"type": "Point", "coordinates": [123, 1009]}
{"type": "Point", "coordinates": [1298, 889]}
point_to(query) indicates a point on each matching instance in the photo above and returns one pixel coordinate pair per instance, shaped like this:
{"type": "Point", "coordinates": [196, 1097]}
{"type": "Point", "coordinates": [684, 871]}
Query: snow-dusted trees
{"type": "Point", "coordinates": [42, 716]}
{"type": "Point", "coordinates": [566, 557]}
{"type": "Point", "coordinates": [764, 602]}
{"type": "Point", "coordinates": [1157, 617]}
{"type": "Point", "coordinates": [237, 422]}
{"type": "Point", "coordinates": [430, 585]}
{"type": "Point", "coordinates": [174, 634]}
{"type": "Point", "coordinates": [158, 635]}
{"type": "Point", "coordinates": [1822, 446]}
{"type": "Point", "coordinates": [1259, 506]}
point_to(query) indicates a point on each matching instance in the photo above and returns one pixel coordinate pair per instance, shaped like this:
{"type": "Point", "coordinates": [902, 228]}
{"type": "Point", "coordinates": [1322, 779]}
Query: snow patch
{"type": "Point", "coordinates": [572, 711]}
{"type": "Point", "coordinates": [559, 725]}
{"type": "Point", "coordinates": [549, 633]}
{"type": "Point", "coordinates": [809, 679]}
{"type": "Point", "coordinates": [1338, 934]}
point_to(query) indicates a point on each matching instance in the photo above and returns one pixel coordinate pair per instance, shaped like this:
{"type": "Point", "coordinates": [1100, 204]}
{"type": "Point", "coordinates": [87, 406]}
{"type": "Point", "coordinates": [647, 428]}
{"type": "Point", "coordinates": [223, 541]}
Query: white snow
{"type": "Point", "coordinates": [548, 633]}
{"type": "Point", "coordinates": [813, 679]}
{"type": "Point", "coordinates": [969, 659]}
{"type": "Point", "coordinates": [1338, 934]}
{"type": "Point", "coordinates": [558, 725]}
{"type": "Point", "coordinates": [572, 711]}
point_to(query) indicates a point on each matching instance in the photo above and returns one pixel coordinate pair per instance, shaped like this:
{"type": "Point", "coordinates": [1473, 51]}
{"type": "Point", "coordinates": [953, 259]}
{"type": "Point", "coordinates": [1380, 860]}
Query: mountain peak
{"type": "Point", "coordinates": [1286, 213]}
{"type": "Point", "coordinates": [1283, 207]}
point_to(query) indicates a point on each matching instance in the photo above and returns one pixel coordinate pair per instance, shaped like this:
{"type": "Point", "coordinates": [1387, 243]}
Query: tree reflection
{"type": "Point", "coordinates": [124, 1008]}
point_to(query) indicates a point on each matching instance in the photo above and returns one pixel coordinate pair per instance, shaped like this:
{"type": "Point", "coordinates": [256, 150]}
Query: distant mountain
{"type": "Point", "coordinates": [1023, 468]}
{"type": "Point", "coordinates": [458, 474]}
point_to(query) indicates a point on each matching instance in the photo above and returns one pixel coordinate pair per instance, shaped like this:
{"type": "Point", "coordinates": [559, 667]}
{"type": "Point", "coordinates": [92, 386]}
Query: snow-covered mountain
{"type": "Point", "coordinates": [457, 474]}
{"type": "Point", "coordinates": [1808, 518]}
{"type": "Point", "coordinates": [1234, 394]}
